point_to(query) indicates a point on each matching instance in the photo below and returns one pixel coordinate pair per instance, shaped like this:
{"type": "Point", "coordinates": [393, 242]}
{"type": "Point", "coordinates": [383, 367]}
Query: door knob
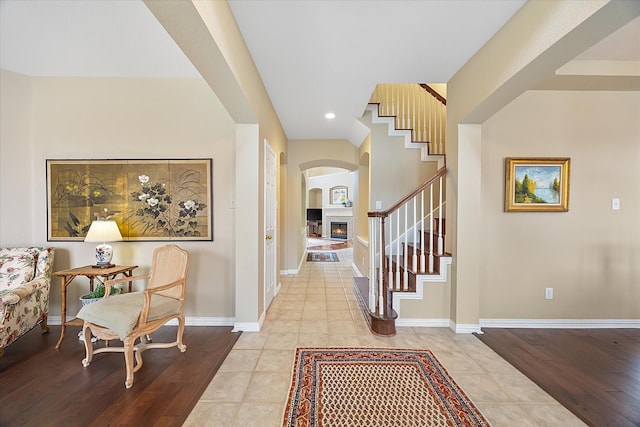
{"type": "Point", "coordinates": [268, 237]}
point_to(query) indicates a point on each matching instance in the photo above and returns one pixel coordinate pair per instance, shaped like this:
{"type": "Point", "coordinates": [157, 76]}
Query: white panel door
{"type": "Point", "coordinates": [270, 210]}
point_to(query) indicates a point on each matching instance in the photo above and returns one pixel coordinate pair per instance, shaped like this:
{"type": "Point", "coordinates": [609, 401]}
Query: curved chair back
{"type": "Point", "coordinates": [169, 264]}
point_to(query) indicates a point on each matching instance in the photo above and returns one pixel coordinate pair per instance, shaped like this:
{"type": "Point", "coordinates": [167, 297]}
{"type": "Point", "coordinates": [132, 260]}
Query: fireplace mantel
{"type": "Point", "coordinates": [334, 211]}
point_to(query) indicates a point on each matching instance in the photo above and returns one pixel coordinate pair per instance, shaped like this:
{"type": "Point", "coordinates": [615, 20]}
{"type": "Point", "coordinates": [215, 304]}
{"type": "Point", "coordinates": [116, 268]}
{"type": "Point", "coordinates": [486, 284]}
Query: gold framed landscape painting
{"type": "Point", "coordinates": [536, 184]}
{"type": "Point", "coordinates": [168, 199]}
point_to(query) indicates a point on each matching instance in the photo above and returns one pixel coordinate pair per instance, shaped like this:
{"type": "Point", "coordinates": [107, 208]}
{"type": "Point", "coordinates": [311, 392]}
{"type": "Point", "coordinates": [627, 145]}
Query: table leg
{"type": "Point", "coordinates": [129, 274]}
{"type": "Point", "coordinates": [63, 309]}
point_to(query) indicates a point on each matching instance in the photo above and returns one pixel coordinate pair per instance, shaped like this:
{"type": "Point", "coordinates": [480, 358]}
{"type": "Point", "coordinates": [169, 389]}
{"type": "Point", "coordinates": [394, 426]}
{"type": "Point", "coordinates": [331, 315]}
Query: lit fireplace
{"type": "Point", "coordinates": [339, 230]}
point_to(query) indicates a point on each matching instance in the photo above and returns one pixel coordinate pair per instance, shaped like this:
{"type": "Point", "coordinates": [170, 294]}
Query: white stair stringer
{"type": "Point", "coordinates": [421, 279]}
{"type": "Point", "coordinates": [391, 123]}
{"type": "Point", "coordinates": [404, 133]}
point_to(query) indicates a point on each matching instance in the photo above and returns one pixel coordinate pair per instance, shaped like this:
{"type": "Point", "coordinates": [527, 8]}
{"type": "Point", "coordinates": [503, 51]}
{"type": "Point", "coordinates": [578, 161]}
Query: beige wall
{"type": "Point", "coordinates": [394, 170]}
{"type": "Point", "coordinates": [209, 36]}
{"type": "Point", "coordinates": [118, 118]}
{"type": "Point", "coordinates": [361, 241]}
{"type": "Point", "coordinates": [16, 163]}
{"type": "Point", "coordinates": [589, 254]}
{"type": "Point", "coordinates": [540, 37]}
{"type": "Point", "coordinates": [326, 182]}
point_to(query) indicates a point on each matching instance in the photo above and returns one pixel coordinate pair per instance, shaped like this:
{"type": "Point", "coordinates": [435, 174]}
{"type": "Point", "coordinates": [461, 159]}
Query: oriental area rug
{"type": "Point", "coordinates": [340, 387]}
{"type": "Point", "coordinates": [322, 257]}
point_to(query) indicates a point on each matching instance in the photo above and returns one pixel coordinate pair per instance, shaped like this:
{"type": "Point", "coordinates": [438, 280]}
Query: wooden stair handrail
{"type": "Point", "coordinates": [433, 93]}
{"type": "Point", "coordinates": [440, 173]}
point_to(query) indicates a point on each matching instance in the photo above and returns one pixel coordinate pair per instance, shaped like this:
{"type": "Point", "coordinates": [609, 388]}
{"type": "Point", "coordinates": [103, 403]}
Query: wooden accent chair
{"type": "Point", "coordinates": [133, 316]}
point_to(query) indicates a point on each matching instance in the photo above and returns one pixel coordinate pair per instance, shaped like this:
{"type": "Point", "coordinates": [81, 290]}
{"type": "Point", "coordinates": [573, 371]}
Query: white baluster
{"type": "Point", "coordinates": [422, 259]}
{"type": "Point", "coordinates": [417, 119]}
{"type": "Point", "coordinates": [405, 276]}
{"type": "Point", "coordinates": [414, 258]}
{"type": "Point", "coordinates": [381, 287]}
{"type": "Point", "coordinates": [431, 228]}
{"type": "Point", "coordinates": [390, 254]}
{"type": "Point", "coordinates": [440, 233]}
{"type": "Point", "coordinates": [403, 113]}
{"type": "Point", "coordinates": [444, 129]}
{"type": "Point", "coordinates": [413, 118]}
{"type": "Point", "coordinates": [398, 251]}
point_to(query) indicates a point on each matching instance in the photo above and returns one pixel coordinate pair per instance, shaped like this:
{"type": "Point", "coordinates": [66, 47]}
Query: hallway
{"type": "Point", "coordinates": [317, 308]}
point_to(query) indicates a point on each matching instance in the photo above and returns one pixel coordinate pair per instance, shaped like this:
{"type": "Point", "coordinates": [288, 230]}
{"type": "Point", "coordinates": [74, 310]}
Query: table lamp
{"type": "Point", "coordinates": [103, 231]}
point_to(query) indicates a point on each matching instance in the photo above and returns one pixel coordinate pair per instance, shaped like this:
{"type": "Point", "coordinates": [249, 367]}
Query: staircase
{"type": "Point", "coordinates": [406, 241]}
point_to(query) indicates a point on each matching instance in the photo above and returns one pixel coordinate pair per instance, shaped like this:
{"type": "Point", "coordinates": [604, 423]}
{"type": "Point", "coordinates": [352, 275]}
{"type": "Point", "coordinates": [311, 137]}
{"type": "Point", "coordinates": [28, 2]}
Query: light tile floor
{"type": "Point", "coordinates": [317, 308]}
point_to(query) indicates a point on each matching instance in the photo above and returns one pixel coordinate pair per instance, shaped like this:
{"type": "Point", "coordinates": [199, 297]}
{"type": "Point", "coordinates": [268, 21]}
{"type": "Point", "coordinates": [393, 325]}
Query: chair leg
{"type": "Point", "coordinates": [181, 346]}
{"type": "Point", "coordinates": [88, 345]}
{"type": "Point", "coordinates": [129, 347]}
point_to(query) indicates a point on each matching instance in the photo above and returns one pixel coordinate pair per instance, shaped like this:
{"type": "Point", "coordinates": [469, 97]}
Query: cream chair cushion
{"type": "Point", "coordinates": [120, 313]}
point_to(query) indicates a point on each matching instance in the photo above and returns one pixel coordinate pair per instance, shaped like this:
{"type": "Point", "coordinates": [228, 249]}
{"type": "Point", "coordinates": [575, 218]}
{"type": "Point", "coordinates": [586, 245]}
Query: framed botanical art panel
{"type": "Point", "coordinates": [149, 199]}
{"type": "Point", "coordinates": [339, 195]}
{"type": "Point", "coordinates": [537, 184]}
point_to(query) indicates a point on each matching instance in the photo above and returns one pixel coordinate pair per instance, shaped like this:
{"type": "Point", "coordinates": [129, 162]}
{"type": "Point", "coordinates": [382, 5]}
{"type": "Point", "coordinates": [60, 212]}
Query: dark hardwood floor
{"type": "Point", "coordinates": [41, 386]}
{"type": "Point", "coordinates": [595, 373]}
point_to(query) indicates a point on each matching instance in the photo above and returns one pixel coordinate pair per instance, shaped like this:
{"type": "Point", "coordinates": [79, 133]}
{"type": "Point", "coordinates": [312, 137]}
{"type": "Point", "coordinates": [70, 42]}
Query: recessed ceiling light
{"type": "Point", "coordinates": [330, 116]}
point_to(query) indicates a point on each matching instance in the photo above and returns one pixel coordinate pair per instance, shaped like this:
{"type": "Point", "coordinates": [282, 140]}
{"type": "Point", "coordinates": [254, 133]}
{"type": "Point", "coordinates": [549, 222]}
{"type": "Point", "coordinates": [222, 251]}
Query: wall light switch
{"type": "Point", "coordinates": [615, 204]}
{"type": "Point", "coordinates": [548, 293]}
{"type": "Point", "coordinates": [378, 204]}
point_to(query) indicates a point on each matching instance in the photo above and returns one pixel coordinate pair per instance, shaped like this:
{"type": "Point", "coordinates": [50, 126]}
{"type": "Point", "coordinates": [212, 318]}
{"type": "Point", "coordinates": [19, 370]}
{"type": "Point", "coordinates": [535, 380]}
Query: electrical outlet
{"type": "Point", "coordinates": [615, 204]}
{"type": "Point", "coordinates": [548, 293]}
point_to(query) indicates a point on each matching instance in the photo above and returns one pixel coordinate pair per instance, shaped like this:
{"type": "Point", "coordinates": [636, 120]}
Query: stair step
{"type": "Point", "coordinates": [400, 261]}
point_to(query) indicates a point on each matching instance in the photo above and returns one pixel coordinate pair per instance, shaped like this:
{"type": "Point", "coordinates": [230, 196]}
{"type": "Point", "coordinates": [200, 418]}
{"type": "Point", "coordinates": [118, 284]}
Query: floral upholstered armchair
{"type": "Point", "coordinates": [25, 281]}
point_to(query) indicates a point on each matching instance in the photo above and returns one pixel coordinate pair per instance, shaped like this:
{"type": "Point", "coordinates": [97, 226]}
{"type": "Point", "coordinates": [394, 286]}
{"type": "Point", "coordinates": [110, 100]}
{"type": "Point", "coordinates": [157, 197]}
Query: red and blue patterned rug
{"type": "Point", "coordinates": [336, 387]}
{"type": "Point", "coordinates": [322, 257]}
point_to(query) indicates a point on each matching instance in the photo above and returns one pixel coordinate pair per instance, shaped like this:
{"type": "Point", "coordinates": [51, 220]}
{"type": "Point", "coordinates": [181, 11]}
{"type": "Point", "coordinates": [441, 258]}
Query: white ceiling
{"type": "Point", "coordinates": [314, 56]}
{"type": "Point", "coordinates": [320, 56]}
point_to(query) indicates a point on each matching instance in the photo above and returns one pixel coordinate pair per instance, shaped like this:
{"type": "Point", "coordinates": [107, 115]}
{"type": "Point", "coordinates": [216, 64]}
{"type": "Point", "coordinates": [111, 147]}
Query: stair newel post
{"type": "Point", "coordinates": [373, 279]}
{"type": "Point", "coordinates": [431, 229]}
{"type": "Point", "coordinates": [384, 289]}
{"type": "Point", "coordinates": [422, 230]}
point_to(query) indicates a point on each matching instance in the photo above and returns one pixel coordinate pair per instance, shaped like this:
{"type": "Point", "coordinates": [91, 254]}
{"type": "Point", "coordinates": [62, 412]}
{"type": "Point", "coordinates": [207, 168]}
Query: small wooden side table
{"type": "Point", "coordinates": [92, 273]}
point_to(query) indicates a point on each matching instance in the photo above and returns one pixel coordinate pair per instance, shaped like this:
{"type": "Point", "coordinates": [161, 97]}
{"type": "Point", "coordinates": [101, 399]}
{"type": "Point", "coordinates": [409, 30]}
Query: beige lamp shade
{"type": "Point", "coordinates": [103, 231]}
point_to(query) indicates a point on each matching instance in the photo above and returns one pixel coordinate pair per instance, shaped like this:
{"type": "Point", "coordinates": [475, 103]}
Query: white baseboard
{"type": "Point", "coordinates": [423, 323]}
{"type": "Point", "coordinates": [246, 327]}
{"type": "Point", "coordinates": [440, 323]}
{"type": "Point", "coordinates": [295, 271]}
{"type": "Point", "coordinates": [357, 272]}
{"type": "Point", "coordinates": [250, 326]}
{"type": "Point", "coordinates": [463, 328]}
{"type": "Point", "coordinates": [561, 323]}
